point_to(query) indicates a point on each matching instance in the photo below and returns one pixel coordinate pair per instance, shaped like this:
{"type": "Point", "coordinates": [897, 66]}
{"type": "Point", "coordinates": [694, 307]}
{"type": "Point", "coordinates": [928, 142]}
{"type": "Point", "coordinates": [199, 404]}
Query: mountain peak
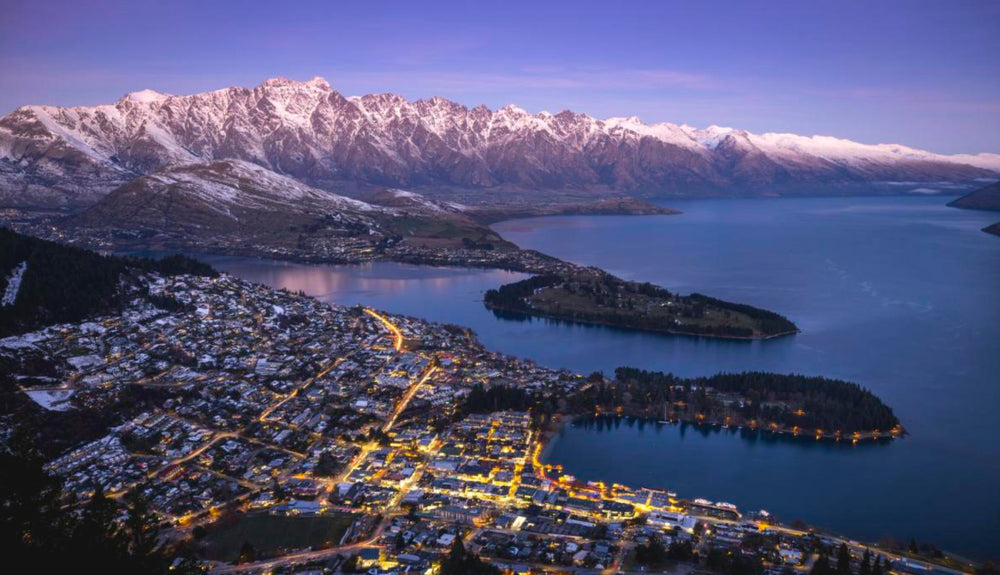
{"type": "Point", "coordinates": [281, 82]}
{"type": "Point", "coordinates": [319, 82]}
{"type": "Point", "coordinates": [513, 109]}
{"type": "Point", "coordinates": [146, 96]}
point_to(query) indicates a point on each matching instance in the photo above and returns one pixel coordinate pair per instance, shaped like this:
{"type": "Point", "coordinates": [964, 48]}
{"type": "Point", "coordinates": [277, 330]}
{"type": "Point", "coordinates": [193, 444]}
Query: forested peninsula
{"type": "Point", "coordinates": [770, 402]}
{"type": "Point", "coordinates": [596, 297]}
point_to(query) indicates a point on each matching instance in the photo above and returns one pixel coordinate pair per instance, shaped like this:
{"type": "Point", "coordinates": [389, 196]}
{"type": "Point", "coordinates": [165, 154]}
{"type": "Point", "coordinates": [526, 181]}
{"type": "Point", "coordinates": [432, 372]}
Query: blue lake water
{"type": "Point", "coordinates": [899, 294]}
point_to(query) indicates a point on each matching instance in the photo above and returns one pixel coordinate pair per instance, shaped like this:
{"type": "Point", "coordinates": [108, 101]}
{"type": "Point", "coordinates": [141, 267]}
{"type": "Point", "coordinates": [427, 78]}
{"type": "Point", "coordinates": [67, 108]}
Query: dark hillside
{"type": "Point", "coordinates": [66, 284]}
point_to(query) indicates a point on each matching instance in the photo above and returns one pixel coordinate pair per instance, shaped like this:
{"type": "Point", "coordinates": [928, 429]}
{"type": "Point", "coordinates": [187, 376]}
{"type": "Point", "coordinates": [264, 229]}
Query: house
{"type": "Point", "coordinates": [368, 557]}
{"type": "Point", "coordinates": [668, 520]}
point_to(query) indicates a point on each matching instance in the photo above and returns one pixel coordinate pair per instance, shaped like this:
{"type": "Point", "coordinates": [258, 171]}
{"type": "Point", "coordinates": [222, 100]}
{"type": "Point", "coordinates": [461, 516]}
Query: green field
{"type": "Point", "coordinates": [270, 534]}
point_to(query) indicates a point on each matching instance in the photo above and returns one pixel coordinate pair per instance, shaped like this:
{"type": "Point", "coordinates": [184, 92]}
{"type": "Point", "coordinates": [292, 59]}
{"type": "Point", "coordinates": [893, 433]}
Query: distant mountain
{"type": "Point", "coordinates": [412, 202]}
{"type": "Point", "coordinates": [236, 204]}
{"type": "Point", "coordinates": [71, 157]}
{"type": "Point", "coordinates": [220, 197]}
{"type": "Point", "coordinates": [987, 198]}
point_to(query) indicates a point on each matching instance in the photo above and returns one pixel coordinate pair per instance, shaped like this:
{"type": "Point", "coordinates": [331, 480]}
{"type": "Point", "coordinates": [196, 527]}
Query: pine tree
{"type": "Point", "coordinates": [866, 563]}
{"type": "Point", "coordinates": [141, 525]}
{"type": "Point", "coordinates": [247, 553]}
{"type": "Point", "coordinates": [97, 532]}
{"type": "Point", "coordinates": [821, 566]}
{"type": "Point", "coordinates": [877, 569]}
{"type": "Point", "coordinates": [843, 560]}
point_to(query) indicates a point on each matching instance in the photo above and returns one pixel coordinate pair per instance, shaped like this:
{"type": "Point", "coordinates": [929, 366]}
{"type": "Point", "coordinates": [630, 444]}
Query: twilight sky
{"type": "Point", "coordinates": [925, 74]}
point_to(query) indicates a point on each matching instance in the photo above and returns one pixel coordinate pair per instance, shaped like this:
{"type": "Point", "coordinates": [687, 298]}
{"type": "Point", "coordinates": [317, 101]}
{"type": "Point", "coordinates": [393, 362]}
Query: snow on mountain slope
{"type": "Point", "coordinates": [414, 203]}
{"type": "Point", "coordinates": [983, 160]}
{"type": "Point", "coordinates": [230, 181]}
{"type": "Point", "coordinates": [310, 132]}
{"type": "Point", "coordinates": [837, 149]}
{"type": "Point", "coordinates": [13, 285]}
{"type": "Point", "coordinates": [221, 196]}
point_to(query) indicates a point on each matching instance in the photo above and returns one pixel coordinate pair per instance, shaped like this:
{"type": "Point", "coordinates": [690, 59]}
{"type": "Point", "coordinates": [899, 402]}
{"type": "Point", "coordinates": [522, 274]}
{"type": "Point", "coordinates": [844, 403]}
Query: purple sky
{"type": "Point", "coordinates": [925, 74]}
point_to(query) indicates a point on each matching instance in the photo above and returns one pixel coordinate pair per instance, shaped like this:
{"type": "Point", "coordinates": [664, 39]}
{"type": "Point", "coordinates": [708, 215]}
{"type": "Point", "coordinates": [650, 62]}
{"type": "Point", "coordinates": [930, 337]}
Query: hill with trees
{"type": "Point", "coordinates": [778, 402]}
{"type": "Point", "coordinates": [596, 297]}
{"type": "Point", "coordinates": [43, 282]}
{"type": "Point", "coordinates": [756, 400]}
{"type": "Point", "coordinates": [36, 529]}
{"type": "Point", "coordinates": [985, 198]}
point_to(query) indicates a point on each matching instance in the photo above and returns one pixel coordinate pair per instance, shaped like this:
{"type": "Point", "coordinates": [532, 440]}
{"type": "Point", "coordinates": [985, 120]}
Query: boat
{"type": "Point", "coordinates": [665, 420]}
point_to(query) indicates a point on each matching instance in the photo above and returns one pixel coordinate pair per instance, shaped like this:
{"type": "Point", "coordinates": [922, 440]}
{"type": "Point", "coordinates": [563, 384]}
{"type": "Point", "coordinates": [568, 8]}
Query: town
{"type": "Point", "coordinates": [281, 434]}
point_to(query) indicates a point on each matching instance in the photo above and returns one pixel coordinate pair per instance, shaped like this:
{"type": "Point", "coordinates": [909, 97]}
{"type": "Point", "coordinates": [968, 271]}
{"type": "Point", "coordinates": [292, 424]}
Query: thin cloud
{"type": "Point", "coordinates": [533, 78]}
{"type": "Point", "coordinates": [908, 97]}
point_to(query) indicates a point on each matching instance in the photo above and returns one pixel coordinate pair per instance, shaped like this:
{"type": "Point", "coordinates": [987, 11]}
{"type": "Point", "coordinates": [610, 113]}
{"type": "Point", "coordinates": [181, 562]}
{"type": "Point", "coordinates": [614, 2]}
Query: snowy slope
{"type": "Point", "coordinates": [310, 132]}
{"type": "Point", "coordinates": [221, 196]}
{"type": "Point", "coordinates": [13, 285]}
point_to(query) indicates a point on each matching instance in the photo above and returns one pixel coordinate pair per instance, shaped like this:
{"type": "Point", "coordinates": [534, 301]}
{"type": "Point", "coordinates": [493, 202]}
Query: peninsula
{"type": "Point", "coordinates": [589, 295]}
{"type": "Point", "coordinates": [986, 198]}
{"type": "Point", "coordinates": [778, 403]}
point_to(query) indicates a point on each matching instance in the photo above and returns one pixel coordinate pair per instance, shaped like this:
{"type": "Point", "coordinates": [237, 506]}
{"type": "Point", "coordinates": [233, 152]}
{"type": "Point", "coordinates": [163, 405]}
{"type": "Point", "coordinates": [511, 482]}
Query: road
{"type": "Point", "coordinates": [305, 556]}
{"type": "Point", "coordinates": [397, 335]}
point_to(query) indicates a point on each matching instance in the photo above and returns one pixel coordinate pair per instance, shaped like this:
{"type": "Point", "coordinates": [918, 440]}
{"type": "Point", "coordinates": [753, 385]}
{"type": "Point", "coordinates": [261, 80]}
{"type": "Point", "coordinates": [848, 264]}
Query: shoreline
{"type": "Point", "coordinates": [777, 431]}
{"type": "Point", "coordinates": [297, 259]}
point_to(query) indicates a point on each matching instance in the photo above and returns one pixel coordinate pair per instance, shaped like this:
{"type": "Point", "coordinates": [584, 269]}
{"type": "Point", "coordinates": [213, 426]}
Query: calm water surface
{"type": "Point", "coordinates": [899, 294]}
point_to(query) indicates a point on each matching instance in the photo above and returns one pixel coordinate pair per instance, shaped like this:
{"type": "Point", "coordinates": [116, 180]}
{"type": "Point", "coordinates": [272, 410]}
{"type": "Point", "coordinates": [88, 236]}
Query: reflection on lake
{"type": "Point", "coordinates": [448, 295]}
{"type": "Point", "coordinates": [757, 470]}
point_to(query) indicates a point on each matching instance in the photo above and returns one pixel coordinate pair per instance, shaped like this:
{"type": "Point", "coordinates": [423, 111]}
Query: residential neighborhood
{"type": "Point", "coordinates": [241, 403]}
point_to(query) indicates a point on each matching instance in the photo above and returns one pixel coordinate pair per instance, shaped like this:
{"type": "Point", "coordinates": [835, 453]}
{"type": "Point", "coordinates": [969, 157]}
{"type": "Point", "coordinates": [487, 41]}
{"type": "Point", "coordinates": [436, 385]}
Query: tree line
{"type": "Point", "coordinates": [623, 303]}
{"type": "Point", "coordinates": [511, 296]}
{"type": "Point", "coordinates": [786, 400]}
{"type": "Point", "coordinates": [769, 322]}
{"type": "Point", "coordinates": [68, 284]}
{"type": "Point", "coordinates": [37, 530]}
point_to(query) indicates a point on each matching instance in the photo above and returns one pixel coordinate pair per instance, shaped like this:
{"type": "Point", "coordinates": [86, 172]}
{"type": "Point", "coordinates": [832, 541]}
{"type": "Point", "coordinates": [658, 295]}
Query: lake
{"type": "Point", "coordinates": [899, 294]}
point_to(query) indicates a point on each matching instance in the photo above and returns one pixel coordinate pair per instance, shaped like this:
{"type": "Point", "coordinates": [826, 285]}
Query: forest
{"type": "Point", "coordinates": [511, 296]}
{"type": "Point", "coordinates": [756, 399]}
{"type": "Point", "coordinates": [785, 400]}
{"type": "Point", "coordinates": [63, 284]}
{"type": "Point", "coordinates": [769, 321]}
{"type": "Point", "coordinates": [597, 297]}
{"type": "Point", "coordinates": [38, 530]}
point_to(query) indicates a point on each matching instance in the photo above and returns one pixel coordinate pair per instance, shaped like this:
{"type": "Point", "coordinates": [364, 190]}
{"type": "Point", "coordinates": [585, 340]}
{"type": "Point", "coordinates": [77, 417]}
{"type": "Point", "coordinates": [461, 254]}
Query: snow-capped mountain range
{"type": "Point", "coordinates": [51, 156]}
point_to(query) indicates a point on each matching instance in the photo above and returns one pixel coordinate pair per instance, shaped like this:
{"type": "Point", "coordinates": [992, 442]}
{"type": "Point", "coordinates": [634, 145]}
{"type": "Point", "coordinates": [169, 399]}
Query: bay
{"type": "Point", "coordinates": [899, 294]}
